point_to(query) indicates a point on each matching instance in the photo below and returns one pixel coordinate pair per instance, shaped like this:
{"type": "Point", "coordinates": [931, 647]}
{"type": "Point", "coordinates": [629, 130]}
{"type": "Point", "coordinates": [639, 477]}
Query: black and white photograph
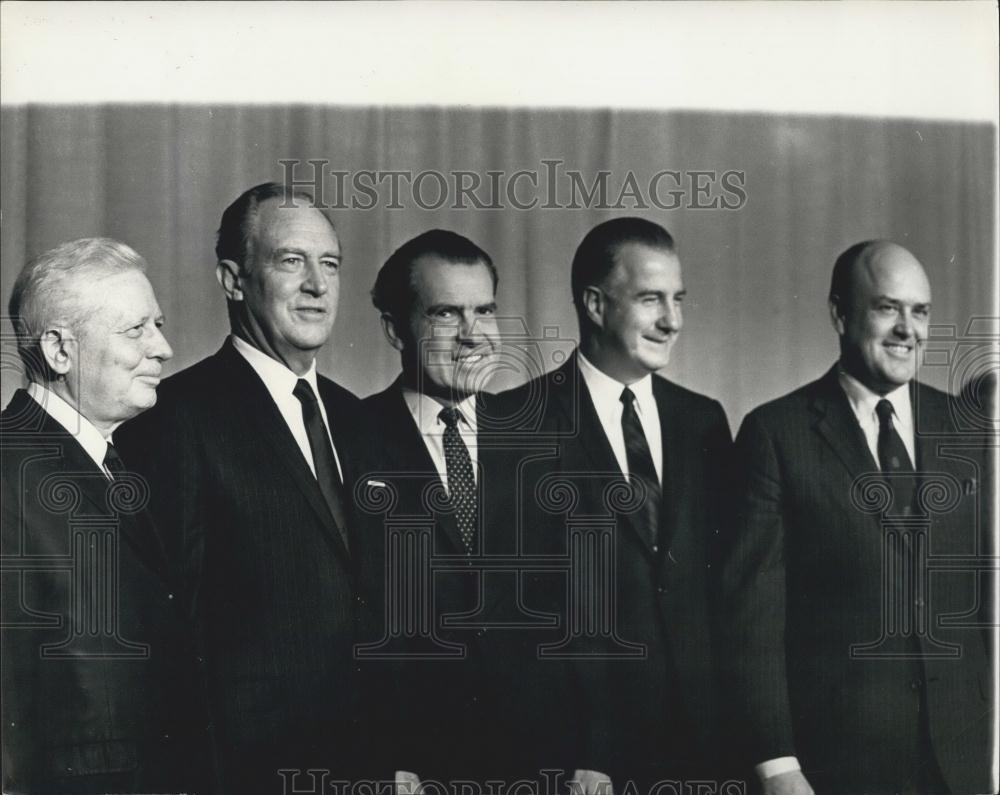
{"type": "Point", "coordinates": [484, 398]}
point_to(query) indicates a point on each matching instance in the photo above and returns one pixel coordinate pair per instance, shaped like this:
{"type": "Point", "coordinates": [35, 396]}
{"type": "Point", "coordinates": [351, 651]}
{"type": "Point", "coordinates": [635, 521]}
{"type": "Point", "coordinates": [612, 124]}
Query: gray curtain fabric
{"type": "Point", "coordinates": [756, 324]}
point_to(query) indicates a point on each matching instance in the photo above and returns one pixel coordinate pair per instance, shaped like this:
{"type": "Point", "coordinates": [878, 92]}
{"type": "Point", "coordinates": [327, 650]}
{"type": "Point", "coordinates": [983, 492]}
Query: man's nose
{"type": "Point", "coordinates": [671, 319]}
{"type": "Point", "coordinates": [315, 282]}
{"type": "Point", "coordinates": [904, 326]}
{"type": "Point", "coordinates": [470, 328]}
{"type": "Point", "coordinates": [159, 348]}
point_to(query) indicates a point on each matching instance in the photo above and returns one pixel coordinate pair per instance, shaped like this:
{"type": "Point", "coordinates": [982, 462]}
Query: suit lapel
{"type": "Point", "coordinates": [837, 425]}
{"type": "Point", "coordinates": [411, 445]}
{"type": "Point", "coordinates": [930, 428]}
{"type": "Point", "coordinates": [580, 414]}
{"type": "Point", "coordinates": [78, 469]}
{"type": "Point", "coordinates": [672, 440]}
{"type": "Point", "coordinates": [250, 396]}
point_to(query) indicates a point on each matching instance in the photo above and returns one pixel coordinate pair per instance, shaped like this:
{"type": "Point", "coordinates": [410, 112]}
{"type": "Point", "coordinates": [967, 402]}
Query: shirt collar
{"type": "Point", "coordinates": [606, 392]}
{"type": "Point", "coordinates": [278, 379]}
{"type": "Point", "coordinates": [79, 427]}
{"type": "Point", "coordinates": [863, 400]}
{"type": "Point", "coordinates": [426, 410]}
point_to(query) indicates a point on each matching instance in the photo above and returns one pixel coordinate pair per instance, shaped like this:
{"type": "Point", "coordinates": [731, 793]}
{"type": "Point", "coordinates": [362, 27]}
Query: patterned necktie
{"type": "Point", "coordinates": [461, 483]}
{"type": "Point", "coordinates": [892, 456]}
{"type": "Point", "coordinates": [640, 463]}
{"type": "Point", "coordinates": [322, 453]}
{"type": "Point", "coordinates": [113, 462]}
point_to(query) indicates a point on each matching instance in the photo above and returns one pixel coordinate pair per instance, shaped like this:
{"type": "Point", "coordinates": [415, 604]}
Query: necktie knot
{"type": "Point", "coordinates": [884, 411]}
{"type": "Point", "coordinates": [450, 417]}
{"type": "Point", "coordinates": [627, 397]}
{"type": "Point", "coordinates": [304, 392]}
{"type": "Point", "coordinates": [112, 461]}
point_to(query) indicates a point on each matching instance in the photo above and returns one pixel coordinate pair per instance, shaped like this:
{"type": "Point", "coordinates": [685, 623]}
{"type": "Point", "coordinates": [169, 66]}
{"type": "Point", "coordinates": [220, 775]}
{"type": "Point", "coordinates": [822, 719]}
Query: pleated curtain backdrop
{"type": "Point", "coordinates": [756, 323]}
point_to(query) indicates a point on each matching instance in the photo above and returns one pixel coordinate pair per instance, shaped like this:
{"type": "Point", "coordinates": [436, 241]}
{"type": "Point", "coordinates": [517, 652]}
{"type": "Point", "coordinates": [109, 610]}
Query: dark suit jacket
{"type": "Point", "coordinates": [265, 571]}
{"type": "Point", "coordinates": [805, 594]}
{"type": "Point", "coordinates": [649, 694]}
{"type": "Point", "coordinates": [98, 696]}
{"type": "Point", "coordinates": [495, 712]}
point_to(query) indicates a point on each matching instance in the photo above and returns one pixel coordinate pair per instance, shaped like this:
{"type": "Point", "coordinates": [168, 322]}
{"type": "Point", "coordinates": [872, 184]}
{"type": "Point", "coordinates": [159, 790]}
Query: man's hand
{"type": "Point", "coordinates": [790, 783]}
{"type": "Point", "coordinates": [590, 782]}
{"type": "Point", "coordinates": [408, 783]}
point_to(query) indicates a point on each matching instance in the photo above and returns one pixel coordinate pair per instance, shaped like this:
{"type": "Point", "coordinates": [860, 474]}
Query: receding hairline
{"type": "Point", "coordinates": [299, 202]}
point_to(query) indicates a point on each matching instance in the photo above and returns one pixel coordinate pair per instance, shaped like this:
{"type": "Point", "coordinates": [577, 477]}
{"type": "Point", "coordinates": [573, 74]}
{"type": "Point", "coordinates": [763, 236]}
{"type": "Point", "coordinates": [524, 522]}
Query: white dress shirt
{"type": "Point", "coordinates": [93, 442]}
{"type": "Point", "coordinates": [606, 393]}
{"type": "Point", "coordinates": [280, 383]}
{"type": "Point", "coordinates": [863, 402]}
{"type": "Point", "coordinates": [425, 412]}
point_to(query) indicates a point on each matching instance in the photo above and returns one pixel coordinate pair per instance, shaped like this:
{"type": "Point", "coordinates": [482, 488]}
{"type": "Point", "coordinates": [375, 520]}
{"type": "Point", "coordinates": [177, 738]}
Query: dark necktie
{"type": "Point", "coordinates": [892, 456]}
{"type": "Point", "coordinates": [322, 454]}
{"type": "Point", "coordinates": [640, 463]}
{"type": "Point", "coordinates": [113, 461]}
{"type": "Point", "coordinates": [461, 483]}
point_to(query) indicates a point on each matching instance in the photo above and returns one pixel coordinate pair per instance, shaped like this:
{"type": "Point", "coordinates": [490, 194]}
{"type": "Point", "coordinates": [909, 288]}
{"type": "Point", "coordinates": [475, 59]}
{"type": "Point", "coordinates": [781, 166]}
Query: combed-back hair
{"type": "Point", "coordinates": [598, 251]}
{"type": "Point", "coordinates": [393, 293]}
{"type": "Point", "coordinates": [234, 240]}
{"type": "Point", "coordinates": [46, 292]}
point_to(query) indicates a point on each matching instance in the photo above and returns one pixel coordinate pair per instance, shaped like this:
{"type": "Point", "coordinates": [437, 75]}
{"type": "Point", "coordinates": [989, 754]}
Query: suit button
{"type": "Point", "coordinates": [656, 548]}
{"type": "Point", "coordinates": [915, 684]}
{"type": "Point", "coordinates": [919, 602]}
{"type": "Point", "coordinates": [661, 589]}
{"type": "Point", "coordinates": [170, 596]}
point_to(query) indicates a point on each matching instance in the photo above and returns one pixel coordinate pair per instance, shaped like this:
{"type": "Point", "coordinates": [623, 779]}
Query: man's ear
{"type": "Point", "coordinates": [58, 348]}
{"type": "Point", "coordinates": [593, 305]}
{"type": "Point", "coordinates": [392, 332]}
{"type": "Point", "coordinates": [836, 316]}
{"type": "Point", "coordinates": [228, 275]}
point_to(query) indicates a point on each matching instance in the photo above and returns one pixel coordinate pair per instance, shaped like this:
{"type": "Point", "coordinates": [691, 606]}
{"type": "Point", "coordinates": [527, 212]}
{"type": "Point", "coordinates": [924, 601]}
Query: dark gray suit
{"type": "Point", "coordinates": [650, 714]}
{"type": "Point", "coordinates": [102, 691]}
{"type": "Point", "coordinates": [815, 667]}
{"type": "Point", "coordinates": [266, 573]}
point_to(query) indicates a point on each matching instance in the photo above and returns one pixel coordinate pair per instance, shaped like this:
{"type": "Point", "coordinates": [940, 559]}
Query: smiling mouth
{"type": "Point", "coordinates": [898, 349]}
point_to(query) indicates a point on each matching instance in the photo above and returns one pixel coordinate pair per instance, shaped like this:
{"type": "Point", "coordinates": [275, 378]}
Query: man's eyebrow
{"type": "Point", "coordinates": [490, 305]}
{"type": "Point", "coordinates": [126, 322]}
{"type": "Point", "coordinates": [301, 252]}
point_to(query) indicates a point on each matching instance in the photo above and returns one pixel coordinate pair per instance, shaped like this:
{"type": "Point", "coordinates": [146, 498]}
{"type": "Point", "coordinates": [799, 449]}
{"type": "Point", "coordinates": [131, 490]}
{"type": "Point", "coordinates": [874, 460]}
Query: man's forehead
{"type": "Point", "coordinates": [638, 261]}
{"type": "Point", "coordinates": [891, 271]}
{"type": "Point", "coordinates": [439, 280]}
{"type": "Point", "coordinates": [276, 219]}
{"type": "Point", "coordinates": [115, 297]}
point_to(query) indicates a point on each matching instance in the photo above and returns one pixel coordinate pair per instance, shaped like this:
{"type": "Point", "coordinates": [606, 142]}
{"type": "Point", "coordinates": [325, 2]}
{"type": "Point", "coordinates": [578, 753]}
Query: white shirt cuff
{"type": "Point", "coordinates": [775, 767]}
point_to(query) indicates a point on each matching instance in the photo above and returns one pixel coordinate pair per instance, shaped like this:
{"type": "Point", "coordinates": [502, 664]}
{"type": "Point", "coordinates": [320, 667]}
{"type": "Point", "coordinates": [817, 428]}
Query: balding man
{"type": "Point", "coordinates": [849, 665]}
{"type": "Point", "coordinates": [101, 690]}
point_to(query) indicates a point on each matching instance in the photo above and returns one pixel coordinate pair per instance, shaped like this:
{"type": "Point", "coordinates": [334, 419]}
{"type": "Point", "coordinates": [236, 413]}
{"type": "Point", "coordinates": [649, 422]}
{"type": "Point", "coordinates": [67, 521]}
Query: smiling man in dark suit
{"type": "Point", "coordinates": [252, 457]}
{"type": "Point", "coordinates": [495, 712]}
{"type": "Point", "coordinates": [854, 666]}
{"type": "Point", "coordinates": [648, 693]}
{"type": "Point", "coordinates": [101, 688]}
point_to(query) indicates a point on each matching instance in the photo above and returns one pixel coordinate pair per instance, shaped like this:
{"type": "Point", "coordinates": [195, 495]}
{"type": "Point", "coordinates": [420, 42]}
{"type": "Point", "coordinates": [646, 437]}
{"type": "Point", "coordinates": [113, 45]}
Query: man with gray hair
{"type": "Point", "coordinates": [100, 685]}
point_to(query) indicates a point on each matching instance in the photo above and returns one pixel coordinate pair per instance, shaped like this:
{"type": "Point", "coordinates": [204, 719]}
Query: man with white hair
{"type": "Point", "coordinates": [100, 683]}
